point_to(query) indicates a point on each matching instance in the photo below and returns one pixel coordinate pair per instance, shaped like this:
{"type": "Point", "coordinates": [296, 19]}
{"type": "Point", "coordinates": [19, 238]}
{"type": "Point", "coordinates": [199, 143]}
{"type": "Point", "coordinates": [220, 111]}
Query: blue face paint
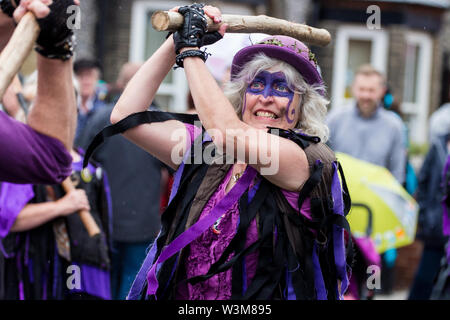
{"type": "Point", "coordinates": [272, 84]}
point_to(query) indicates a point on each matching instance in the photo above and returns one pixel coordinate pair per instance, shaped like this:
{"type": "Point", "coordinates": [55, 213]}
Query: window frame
{"type": "Point", "coordinates": [177, 90]}
{"type": "Point", "coordinates": [379, 56]}
{"type": "Point", "coordinates": [418, 111]}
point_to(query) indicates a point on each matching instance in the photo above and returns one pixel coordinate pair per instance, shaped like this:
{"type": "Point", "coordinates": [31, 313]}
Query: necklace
{"type": "Point", "coordinates": [237, 176]}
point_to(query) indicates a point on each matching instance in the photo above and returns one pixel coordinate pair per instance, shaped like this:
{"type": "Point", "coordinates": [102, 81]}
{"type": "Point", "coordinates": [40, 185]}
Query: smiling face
{"type": "Point", "coordinates": [270, 102]}
{"type": "Point", "coordinates": [368, 91]}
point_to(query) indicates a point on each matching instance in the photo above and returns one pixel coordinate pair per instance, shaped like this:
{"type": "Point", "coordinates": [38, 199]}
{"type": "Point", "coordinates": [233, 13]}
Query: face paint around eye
{"type": "Point", "coordinates": [256, 87]}
{"type": "Point", "coordinates": [281, 88]}
{"type": "Point", "coordinates": [270, 84]}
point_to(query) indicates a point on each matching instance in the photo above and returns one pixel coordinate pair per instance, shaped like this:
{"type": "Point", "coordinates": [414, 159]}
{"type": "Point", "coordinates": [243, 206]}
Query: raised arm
{"type": "Point", "coordinates": [37, 153]}
{"type": "Point", "coordinates": [155, 138]}
{"type": "Point", "coordinates": [280, 160]}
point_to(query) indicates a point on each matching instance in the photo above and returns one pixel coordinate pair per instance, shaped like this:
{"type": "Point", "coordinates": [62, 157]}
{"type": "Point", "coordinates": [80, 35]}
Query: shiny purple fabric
{"type": "Point", "coordinates": [148, 273]}
{"type": "Point", "coordinates": [199, 227]}
{"type": "Point", "coordinates": [27, 156]}
{"type": "Point", "coordinates": [13, 198]}
{"type": "Point", "coordinates": [94, 281]}
{"type": "Point", "coordinates": [367, 247]}
{"type": "Point", "coordinates": [338, 232]}
{"type": "Point", "coordinates": [208, 248]}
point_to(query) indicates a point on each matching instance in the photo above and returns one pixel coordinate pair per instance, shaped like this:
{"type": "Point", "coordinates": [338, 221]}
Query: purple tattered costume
{"type": "Point", "coordinates": [256, 241]}
{"type": "Point", "coordinates": [34, 264]}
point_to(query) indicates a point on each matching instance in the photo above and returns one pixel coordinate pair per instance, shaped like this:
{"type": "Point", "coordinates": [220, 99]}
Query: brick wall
{"type": "Point", "coordinates": [325, 55]}
{"type": "Point", "coordinates": [117, 22]}
{"type": "Point", "coordinates": [406, 265]}
{"type": "Point", "coordinates": [436, 75]}
{"type": "Point", "coordinates": [86, 34]}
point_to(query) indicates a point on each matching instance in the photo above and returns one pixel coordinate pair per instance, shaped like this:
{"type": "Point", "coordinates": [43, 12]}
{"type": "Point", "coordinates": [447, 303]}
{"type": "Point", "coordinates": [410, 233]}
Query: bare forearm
{"type": "Point", "coordinates": [54, 111]}
{"type": "Point", "coordinates": [35, 215]}
{"type": "Point", "coordinates": [214, 109]}
{"type": "Point", "coordinates": [142, 88]}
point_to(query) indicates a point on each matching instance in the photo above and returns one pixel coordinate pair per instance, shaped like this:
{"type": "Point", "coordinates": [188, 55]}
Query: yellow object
{"type": "Point", "coordinates": [394, 211]}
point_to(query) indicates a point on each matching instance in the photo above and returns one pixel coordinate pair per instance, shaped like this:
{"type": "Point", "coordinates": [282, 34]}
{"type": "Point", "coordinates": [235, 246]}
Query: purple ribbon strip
{"type": "Point", "coordinates": [200, 226]}
{"type": "Point", "coordinates": [179, 173]}
{"type": "Point", "coordinates": [138, 283]}
{"type": "Point", "coordinates": [13, 198]}
{"type": "Point", "coordinates": [318, 278]}
{"type": "Point", "coordinates": [338, 232]}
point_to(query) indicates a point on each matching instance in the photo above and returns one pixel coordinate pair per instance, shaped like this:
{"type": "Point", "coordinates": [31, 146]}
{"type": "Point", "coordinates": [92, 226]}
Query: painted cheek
{"type": "Point", "coordinates": [244, 105]}
{"type": "Point", "coordinates": [290, 114]}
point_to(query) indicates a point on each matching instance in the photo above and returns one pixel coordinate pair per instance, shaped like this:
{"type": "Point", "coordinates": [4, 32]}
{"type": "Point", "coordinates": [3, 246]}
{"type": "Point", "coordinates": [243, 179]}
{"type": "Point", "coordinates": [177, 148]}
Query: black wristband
{"type": "Point", "coordinates": [61, 51]}
{"type": "Point", "coordinates": [190, 53]}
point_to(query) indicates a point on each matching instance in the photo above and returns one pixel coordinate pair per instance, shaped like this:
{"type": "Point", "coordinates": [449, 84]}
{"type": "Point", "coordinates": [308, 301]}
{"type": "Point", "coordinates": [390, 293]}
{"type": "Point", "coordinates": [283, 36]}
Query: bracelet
{"type": "Point", "coordinates": [190, 53]}
{"type": "Point", "coordinates": [61, 51]}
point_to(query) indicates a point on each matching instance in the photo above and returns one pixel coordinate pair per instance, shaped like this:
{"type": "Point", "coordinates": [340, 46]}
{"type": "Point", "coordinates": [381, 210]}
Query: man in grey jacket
{"type": "Point", "coordinates": [367, 131]}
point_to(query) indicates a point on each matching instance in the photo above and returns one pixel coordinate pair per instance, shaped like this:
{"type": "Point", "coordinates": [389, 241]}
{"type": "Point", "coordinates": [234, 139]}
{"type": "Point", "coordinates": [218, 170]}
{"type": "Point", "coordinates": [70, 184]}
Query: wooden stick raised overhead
{"type": "Point", "coordinates": [17, 50]}
{"type": "Point", "coordinates": [172, 21]}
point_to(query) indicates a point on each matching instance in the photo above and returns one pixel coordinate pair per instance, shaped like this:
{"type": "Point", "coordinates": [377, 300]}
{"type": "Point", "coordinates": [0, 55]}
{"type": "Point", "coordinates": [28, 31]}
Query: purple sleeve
{"type": "Point", "coordinates": [27, 156]}
{"type": "Point", "coordinates": [292, 198]}
{"type": "Point", "coordinates": [13, 198]}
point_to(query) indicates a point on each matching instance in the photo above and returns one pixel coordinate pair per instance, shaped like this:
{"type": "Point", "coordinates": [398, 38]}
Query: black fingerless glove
{"type": "Point", "coordinates": [56, 40]}
{"type": "Point", "coordinates": [193, 29]}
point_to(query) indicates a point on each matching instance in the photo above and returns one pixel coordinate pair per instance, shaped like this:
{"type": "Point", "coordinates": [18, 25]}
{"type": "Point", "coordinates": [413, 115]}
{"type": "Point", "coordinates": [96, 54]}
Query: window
{"type": "Point", "coordinates": [355, 46]}
{"type": "Point", "coordinates": [418, 58]}
{"type": "Point", "coordinates": [172, 94]}
{"type": "Point", "coordinates": [145, 41]}
{"type": "Point", "coordinates": [359, 53]}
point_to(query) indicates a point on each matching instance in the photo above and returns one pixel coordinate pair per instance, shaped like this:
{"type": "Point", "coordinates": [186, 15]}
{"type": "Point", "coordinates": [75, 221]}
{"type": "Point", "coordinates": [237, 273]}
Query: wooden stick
{"type": "Point", "coordinates": [172, 21]}
{"type": "Point", "coordinates": [86, 217]}
{"type": "Point", "coordinates": [17, 50]}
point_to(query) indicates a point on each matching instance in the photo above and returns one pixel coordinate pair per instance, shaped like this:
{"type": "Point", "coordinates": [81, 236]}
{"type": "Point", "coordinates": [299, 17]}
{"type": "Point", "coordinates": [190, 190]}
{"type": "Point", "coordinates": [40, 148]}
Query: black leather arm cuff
{"type": "Point", "coordinates": [190, 53]}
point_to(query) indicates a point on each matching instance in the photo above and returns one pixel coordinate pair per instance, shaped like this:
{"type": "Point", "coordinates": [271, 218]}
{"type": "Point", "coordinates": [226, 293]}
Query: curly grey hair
{"type": "Point", "coordinates": [313, 106]}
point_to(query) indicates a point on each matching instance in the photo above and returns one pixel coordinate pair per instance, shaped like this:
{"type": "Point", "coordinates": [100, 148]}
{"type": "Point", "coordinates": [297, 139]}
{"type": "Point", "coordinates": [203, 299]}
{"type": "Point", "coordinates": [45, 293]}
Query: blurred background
{"type": "Point", "coordinates": [408, 41]}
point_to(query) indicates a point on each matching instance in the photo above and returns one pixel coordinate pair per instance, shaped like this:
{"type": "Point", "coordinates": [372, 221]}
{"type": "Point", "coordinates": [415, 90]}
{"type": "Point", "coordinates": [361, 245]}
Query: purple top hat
{"type": "Point", "coordinates": [282, 48]}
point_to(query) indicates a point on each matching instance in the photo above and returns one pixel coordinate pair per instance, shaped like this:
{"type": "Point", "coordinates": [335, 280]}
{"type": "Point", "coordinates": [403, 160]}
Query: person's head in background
{"type": "Point", "coordinates": [369, 87]}
{"type": "Point", "coordinates": [127, 72]}
{"type": "Point", "coordinates": [87, 73]}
